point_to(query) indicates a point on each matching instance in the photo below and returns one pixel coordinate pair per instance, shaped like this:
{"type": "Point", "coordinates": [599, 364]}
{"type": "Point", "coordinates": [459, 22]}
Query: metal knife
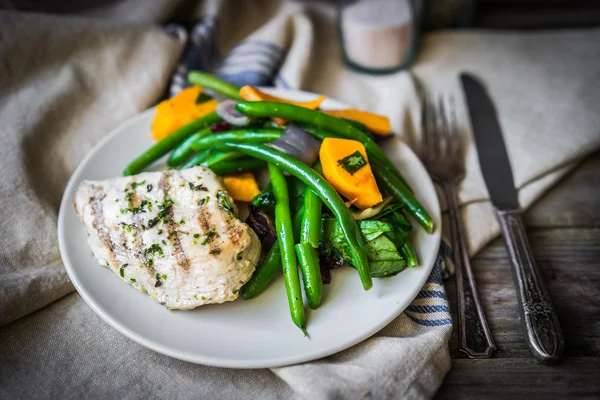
{"type": "Point", "coordinates": [542, 330]}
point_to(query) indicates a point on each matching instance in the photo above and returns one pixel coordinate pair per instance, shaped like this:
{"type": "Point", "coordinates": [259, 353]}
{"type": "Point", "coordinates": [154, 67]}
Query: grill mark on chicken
{"type": "Point", "coordinates": [138, 242]}
{"type": "Point", "coordinates": [172, 227]}
{"type": "Point", "coordinates": [204, 220]}
{"type": "Point", "coordinates": [98, 224]}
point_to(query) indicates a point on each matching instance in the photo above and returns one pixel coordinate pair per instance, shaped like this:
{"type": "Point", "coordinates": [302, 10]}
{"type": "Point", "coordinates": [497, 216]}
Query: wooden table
{"type": "Point", "coordinates": [564, 229]}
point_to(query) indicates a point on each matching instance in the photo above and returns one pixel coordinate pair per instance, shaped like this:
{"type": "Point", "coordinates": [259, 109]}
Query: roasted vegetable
{"type": "Point", "coordinates": [242, 186]}
{"type": "Point", "coordinates": [346, 166]}
{"type": "Point", "coordinates": [376, 123]}
{"type": "Point", "coordinates": [178, 111]}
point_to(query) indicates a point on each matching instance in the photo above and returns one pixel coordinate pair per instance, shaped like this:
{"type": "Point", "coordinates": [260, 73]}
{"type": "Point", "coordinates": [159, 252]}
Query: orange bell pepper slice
{"type": "Point", "coordinates": [346, 167]}
{"type": "Point", "coordinates": [378, 124]}
{"type": "Point", "coordinates": [179, 110]}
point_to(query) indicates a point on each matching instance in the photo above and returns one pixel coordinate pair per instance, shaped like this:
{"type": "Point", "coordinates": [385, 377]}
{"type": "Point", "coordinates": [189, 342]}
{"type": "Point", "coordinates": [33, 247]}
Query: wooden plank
{"type": "Point", "coordinates": [574, 202]}
{"type": "Point", "coordinates": [522, 378]}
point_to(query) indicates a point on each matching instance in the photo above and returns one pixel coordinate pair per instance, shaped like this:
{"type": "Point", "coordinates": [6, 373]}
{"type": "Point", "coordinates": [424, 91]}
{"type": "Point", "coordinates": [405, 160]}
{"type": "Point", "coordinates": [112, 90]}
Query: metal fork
{"type": "Point", "coordinates": [443, 158]}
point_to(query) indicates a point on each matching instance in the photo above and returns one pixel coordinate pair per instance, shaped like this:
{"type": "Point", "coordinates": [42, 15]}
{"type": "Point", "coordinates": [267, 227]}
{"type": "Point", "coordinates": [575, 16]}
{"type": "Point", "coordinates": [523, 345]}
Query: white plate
{"type": "Point", "coordinates": [255, 333]}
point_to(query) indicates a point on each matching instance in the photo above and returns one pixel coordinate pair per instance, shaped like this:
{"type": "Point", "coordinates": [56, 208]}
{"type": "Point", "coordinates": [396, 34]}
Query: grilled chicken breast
{"type": "Point", "coordinates": [172, 234]}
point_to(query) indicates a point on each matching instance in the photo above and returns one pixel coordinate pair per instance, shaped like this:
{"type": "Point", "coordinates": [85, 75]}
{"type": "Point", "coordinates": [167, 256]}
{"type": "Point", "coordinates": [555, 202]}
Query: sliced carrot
{"type": "Point", "coordinates": [379, 124]}
{"type": "Point", "coordinates": [242, 186]}
{"type": "Point", "coordinates": [178, 111]}
{"type": "Point", "coordinates": [346, 167]}
{"type": "Point", "coordinates": [250, 93]}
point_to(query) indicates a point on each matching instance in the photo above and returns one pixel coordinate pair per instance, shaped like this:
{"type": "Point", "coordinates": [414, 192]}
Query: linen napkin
{"type": "Point", "coordinates": [67, 81]}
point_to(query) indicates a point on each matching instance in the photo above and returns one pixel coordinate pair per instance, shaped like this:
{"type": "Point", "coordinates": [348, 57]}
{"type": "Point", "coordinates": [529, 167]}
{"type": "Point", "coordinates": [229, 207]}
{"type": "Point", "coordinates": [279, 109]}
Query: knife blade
{"type": "Point", "coordinates": [542, 329]}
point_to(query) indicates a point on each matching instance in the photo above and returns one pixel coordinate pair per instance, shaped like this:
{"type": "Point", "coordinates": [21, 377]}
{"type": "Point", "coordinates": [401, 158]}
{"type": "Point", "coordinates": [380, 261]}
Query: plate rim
{"type": "Point", "coordinates": [272, 362]}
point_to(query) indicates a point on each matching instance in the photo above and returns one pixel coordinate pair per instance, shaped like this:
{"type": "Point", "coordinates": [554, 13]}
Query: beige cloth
{"type": "Point", "coordinates": [66, 81]}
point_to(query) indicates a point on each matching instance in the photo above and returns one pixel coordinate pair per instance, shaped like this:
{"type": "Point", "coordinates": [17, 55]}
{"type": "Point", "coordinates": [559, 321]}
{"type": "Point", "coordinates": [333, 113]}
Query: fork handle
{"type": "Point", "coordinates": [474, 333]}
{"type": "Point", "coordinates": [542, 330]}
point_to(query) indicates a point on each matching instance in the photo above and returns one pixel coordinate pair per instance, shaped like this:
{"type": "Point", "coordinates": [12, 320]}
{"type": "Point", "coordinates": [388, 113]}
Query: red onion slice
{"type": "Point", "coordinates": [298, 143]}
{"type": "Point", "coordinates": [226, 110]}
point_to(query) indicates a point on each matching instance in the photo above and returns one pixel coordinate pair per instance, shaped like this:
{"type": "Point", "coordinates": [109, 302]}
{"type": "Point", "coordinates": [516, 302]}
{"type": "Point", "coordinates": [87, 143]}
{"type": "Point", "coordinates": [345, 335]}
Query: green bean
{"type": "Point", "coordinates": [169, 143]}
{"type": "Point", "coordinates": [196, 159]}
{"type": "Point", "coordinates": [211, 82]}
{"type": "Point", "coordinates": [311, 274]}
{"type": "Point", "coordinates": [269, 267]}
{"type": "Point", "coordinates": [333, 124]}
{"type": "Point", "coordinates": [409, 254]}
{"type": "Point", "coordinates": [310, 230]}
{"type": "Point", "coordinates": [328, 195]}
{"type": "Point", "coordinates": [264, 273]}
{"type": "Point", "coordinates": [221, 156]}
{"type": "Point", "coordinates": [240, 165]}
{"type": "Point", "coordinates": [239, 136]}
{"type": "Point", "coordinates": [285, 238]}
{"type": "Point", "coordinates": [310, 237]}
{"type": "Point", "coordinates": [393, 185]}
{"type": "Point", "coordinates": [183, 151]}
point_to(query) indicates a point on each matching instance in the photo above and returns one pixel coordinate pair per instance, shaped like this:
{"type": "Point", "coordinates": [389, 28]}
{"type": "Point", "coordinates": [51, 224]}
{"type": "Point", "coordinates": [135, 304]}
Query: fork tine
{"type": "Point", "coordinates": [434, 129]}
{"type": "Point", "coordinates": [425, 127]}
{"type": "Point", "coordinates": [455, 147]}
{"type": "Point", "coordinates": [445, 139]}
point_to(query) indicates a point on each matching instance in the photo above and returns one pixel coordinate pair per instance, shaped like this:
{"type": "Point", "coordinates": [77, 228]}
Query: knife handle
{"type": "Point", "coordinates": [542, 329]}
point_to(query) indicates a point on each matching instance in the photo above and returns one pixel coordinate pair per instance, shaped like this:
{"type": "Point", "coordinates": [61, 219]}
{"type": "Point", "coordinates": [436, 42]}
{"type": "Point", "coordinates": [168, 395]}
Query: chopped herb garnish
{"type": "Point", "coordinates": [127, 227]}
{"type": "Point", "coordinates": [152, 251]}
{"type": "Point", "coordinates": [216, 250]}
{"type": "Point", "coordinates": [149, 187]}
{"type": "Point", "coordinates": [239, 256]}
{"type": "Point", "coordinates": [203, 201]}
{"type": "Point", "coordinates": [155, 248]}
{"type": "Point", "coordinates": [198, 177]}
{"type": "Point", "coordinates": [353, 162]}
{"type": "Point", "coordinates": [133, 280]}
{"type": "Point", "coordinates": [196, 235]}
{"type": "Point", "coordinates": [157, 284]}
{"type": "Point", "coordinates": [122, 270]}
{"type": "Point", "coordinates": [136, 184]}
{"type": "Point", "coordinates": [202, 97]}
{"type": "Point", "coordinates": [208, 237]}
{"type": "Point", "coordinates": [129, 196]}
{"type": "Point", "coordinates": [224, 203]}
{"type": "Point", "coordinates": [203, 298]}
{"type": "Point", "coordinates": [160, 231]}
{"type": "Point", "coordinates": [138, 209]}
{"type": "Point", "coordinates": [153, 222]}
{"type": "Point", "coordinates": [199, 187]}
{"type": "Point", "coordinates": [164, 208]}
{"type": "Point", "coordinates": [235, 291]}
{"type": "Point", "coordinates": [182, 222]}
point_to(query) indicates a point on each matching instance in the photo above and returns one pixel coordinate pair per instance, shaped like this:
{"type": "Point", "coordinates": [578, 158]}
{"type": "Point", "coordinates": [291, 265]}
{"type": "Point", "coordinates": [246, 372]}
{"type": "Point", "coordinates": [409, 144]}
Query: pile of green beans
{"type": "Point", "coordinates": [298, 240]}
{"type": "Point", "coordinates": [326, 193]}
